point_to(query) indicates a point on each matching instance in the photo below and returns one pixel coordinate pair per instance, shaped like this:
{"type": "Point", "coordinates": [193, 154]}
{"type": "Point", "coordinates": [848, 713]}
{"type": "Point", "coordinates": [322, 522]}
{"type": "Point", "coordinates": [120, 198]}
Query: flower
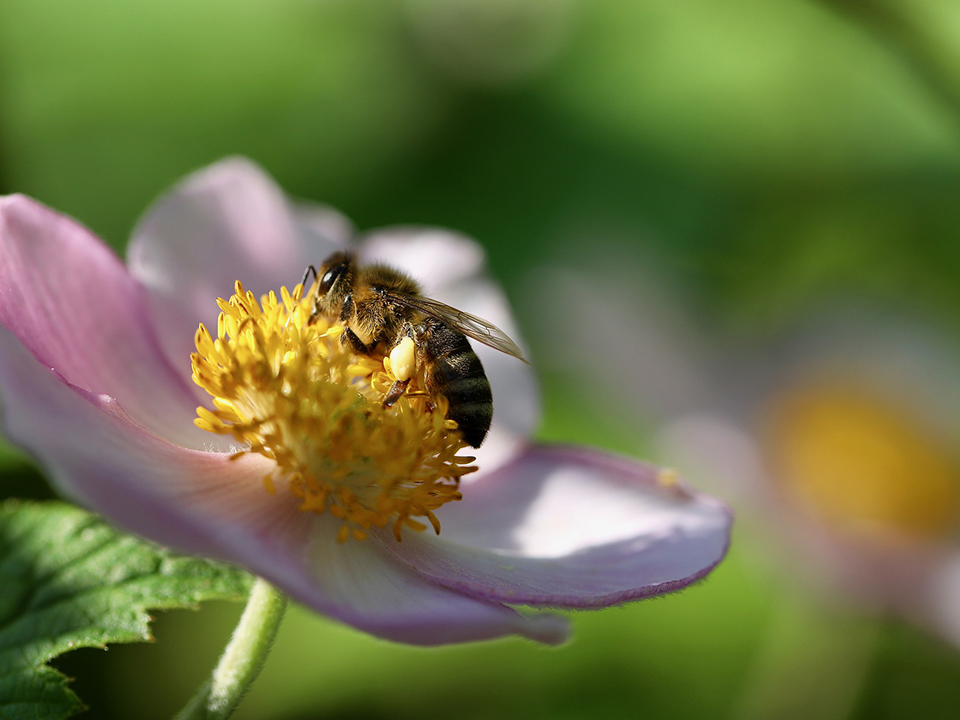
{"type": "Point", "coordinates": [97, 384]}
{"type": "Point", "coordinates": [837, 439]}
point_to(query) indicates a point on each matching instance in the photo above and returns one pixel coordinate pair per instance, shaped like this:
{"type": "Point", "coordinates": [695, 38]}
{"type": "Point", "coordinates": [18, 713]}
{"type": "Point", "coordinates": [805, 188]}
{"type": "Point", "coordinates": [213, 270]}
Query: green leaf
{"type": "Point", "coordinates": [68, 580]}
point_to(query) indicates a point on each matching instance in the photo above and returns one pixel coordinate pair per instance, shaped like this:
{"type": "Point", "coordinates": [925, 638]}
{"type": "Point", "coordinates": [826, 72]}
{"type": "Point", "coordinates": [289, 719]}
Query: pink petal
{"type": "Point", "coordinates": [439, 259]}
{"type": "Point", "coordinates": [939, 608]}
{"type": "Point", "coordinates": [638, 321]}
{"type": "Point", "coordinates": [204, 503]}
{"type": "Point", "coordinates": [70, 301]}
{"type": "Point", "coordinates": [376, 593]}
{"type": "Point", "coordinates": [572, 528]}
{"type": "Point", "coordinates": [322, 229]}
{"type": "Point", "coordinates": [227, 222]}
{"type": "Point", "coordinates": [451, 268]}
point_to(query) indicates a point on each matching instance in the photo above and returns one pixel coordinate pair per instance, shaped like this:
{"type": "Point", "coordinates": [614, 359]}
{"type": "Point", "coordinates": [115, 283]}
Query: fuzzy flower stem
{"type": "Point", "coordinates": [243, 657]}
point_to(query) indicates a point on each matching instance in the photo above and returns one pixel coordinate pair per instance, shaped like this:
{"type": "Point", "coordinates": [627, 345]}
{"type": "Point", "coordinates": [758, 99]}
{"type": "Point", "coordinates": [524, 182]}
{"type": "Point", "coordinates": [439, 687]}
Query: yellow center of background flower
{"type": "Point", "coordinates": [863, 464]}
{"type": "Point", "coordinates": [288, 389]}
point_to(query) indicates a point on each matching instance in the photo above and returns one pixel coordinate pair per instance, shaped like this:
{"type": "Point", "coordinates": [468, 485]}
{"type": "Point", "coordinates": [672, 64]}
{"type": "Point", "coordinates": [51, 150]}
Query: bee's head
{"type": "Point", "coordinates": [334, 280]}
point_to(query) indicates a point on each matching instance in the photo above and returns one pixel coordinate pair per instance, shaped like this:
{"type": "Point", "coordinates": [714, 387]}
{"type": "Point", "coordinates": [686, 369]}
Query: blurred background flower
{"type": "Point", "coordinates": [835, 440]}
{"type": "Point", "coordinates": [743, 164]}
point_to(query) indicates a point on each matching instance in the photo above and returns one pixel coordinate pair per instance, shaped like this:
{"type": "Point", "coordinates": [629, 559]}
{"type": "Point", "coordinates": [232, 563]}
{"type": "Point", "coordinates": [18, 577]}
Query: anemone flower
{"type": "Point", "coordinates": [836, 441]}
{"type": "Point", "coordinates": [259, 440]}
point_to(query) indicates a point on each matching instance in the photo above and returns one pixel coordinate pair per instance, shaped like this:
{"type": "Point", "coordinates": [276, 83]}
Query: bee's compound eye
{"type": "Point", "coordinates": [326, 282]}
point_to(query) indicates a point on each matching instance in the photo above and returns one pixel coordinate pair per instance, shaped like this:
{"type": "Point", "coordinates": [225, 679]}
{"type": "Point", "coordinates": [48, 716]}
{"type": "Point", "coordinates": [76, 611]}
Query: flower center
{"type": "Point", "coordinates": [287, 388]}
{"type": "Point", "coordinates": [861, 463]}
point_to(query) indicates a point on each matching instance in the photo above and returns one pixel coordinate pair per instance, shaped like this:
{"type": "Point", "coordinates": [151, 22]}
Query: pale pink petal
{"type": "Point", "coordinates": [451, 268]}
{"type": "Point", "coordinates": [95, 453]}
{"type": "Point", "coordinates": [374, 592]}
{"type": "Point", "coordinates": [227, 222]}
{"type": "Point", "coordinates": [719, 453]}
{"type": "Point", "coordinates": [663, 363]}
{"type": "Point", "coordinates": [322, 229]}
{"type": "Point", "coordinates": [941, 610]}
{"type": "Point", "coordinates": [439, 259]}
{"type": "Point", "coordinates": [70, 301]}
{"type": "Point", "coordinates": [204, 503]}
{"type": "Point", "coordinates": [571, 527]}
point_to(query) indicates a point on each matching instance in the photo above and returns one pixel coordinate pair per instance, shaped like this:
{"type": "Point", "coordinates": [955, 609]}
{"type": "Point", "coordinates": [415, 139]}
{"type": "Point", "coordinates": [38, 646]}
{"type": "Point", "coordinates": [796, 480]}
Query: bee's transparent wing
{"type": "Point", "coordinates": [470, 325]}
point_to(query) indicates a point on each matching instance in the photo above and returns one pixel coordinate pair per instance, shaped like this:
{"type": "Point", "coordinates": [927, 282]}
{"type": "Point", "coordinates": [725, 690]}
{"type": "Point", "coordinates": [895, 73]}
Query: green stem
{"type": "Point", "coordinates": [243, 657]}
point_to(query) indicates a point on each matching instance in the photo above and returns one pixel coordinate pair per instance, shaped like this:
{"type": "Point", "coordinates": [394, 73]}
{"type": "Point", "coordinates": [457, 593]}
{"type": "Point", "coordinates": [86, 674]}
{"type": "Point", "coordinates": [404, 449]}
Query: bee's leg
{"type": "Point", "coordinates": [403, 361]}
{"type": "Point", "coordinates": [419, 333]}
{"type": "Point", "coordinates": [395, 392]}
{"type": "Point", "coordinates": [349, 337]}
{"type": "Point", "coordinates": [346, 312]}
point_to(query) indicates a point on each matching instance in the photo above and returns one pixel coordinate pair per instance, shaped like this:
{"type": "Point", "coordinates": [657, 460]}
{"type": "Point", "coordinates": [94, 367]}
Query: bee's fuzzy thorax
{"type": "Point", "coordinates": [388, 278]}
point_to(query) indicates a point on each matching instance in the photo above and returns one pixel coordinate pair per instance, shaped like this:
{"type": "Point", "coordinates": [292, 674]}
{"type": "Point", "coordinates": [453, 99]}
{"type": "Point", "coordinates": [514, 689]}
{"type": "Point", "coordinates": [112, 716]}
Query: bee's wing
{"type": "Point", "coordinates": [470, 325]}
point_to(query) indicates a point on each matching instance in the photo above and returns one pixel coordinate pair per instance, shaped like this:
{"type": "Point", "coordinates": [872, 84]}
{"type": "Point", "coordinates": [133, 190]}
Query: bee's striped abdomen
{"type": "Point", "coordinates": [454, 371]}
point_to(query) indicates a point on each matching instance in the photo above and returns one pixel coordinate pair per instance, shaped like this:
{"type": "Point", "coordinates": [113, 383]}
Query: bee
{"type": "Point", "coordinates": [379, 307]}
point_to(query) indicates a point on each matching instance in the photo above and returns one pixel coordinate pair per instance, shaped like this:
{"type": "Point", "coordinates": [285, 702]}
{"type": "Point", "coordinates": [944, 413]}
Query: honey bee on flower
{"type": "Point", "coordinates": [295, 467]}
{"type": "Point", "coordinates": [382, 310]}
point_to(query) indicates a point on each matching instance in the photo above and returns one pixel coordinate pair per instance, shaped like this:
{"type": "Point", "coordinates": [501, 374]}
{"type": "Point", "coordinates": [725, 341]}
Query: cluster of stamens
{"type": "Point", "coordinates": [286, 387]}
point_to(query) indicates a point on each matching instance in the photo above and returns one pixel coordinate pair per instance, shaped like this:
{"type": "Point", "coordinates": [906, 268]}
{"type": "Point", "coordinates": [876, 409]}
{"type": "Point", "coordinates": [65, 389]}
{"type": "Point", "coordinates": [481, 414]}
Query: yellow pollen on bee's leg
{"type": "Point", "coordinates": [403, 360]}
{"type": "Point", "coordinates": [285, 387]}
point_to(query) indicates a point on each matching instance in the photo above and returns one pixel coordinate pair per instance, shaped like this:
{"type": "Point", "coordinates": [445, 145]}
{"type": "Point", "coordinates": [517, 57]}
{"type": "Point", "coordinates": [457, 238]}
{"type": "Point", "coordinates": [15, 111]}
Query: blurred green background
{"type": "Point", "coordinates": [766, 152]}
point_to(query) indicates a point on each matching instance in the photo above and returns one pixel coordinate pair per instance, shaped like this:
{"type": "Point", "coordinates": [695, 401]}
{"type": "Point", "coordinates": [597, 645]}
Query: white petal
{"type": "Point", "coordinates": [439, 259]}
{"type": "Point", "coordinates": [227, 222]}
{"type": "Point", "coordinates": [571, 528]}
{"type": "Point", "coordinates": [942, 609]}
{"type": "Point", "coordinates": [369, 589]}
{"type": "Point", "coordinates": [322, 229]}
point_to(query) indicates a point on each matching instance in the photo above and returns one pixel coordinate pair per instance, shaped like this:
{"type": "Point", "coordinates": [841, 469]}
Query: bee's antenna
{"type": "Point", "coordinates": [311, 270]}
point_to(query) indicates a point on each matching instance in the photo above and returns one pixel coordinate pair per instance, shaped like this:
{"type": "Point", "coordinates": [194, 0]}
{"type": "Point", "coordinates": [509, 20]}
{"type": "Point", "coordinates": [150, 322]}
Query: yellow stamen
{"type": "Point", "coordinates": [864, 464]}
{"type": "Point", "coordinates": [288, 389]}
